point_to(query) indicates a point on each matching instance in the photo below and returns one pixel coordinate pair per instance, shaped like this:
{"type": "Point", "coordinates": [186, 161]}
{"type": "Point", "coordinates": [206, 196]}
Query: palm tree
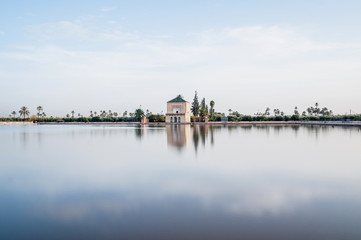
{"type": "Point", "coordinates": [139, 114]}
{"type": "Point", "coordinates": [296, 111]}
{"type": "Point", "coordinates": [43, 114]}
{"type": "Point", "coordinates": [91, 113]}
{"type": "Point", "coordinates": [211, 103]}
{"type": "Point", "coordinates": [267, 111]}
{"type": "Point", "coordinates": [24, 111]}
{"type": "Point", "coordinates": [39, 108]}
{"type": "Point", "coordinates": [72, 113]}
{"type": "Point", "coordinates": [317, 110]}
{"type": "Point", "coordinates": [14, 114]}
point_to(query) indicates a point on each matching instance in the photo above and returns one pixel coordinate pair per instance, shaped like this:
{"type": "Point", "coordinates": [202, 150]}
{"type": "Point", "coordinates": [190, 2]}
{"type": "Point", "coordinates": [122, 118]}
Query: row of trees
{"type": "Point", "coordinates": [103, 116]}
{"type": "Point", "coordinates": [25, 113]}
{"type": "Point", "coordinates": [310, 111]}
{"type": "Point", "coordinates": [199, 109]}
{"type": "Point", "coordinates": [109, 114]}
{"type": "Point", "coordinates": [294, 118]}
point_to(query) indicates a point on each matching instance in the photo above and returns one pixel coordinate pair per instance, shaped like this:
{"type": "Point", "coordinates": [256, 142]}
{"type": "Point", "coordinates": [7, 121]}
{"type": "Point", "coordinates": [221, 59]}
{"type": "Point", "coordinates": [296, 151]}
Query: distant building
{"type": "Point", "coordinates": [144, 120]}
{"type": "Point", "coordinates": [178, 111]}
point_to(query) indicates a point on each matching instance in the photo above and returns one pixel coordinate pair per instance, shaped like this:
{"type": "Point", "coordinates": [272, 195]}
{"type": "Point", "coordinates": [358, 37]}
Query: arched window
{"type": "Point", "coordinates": [179, 119]}
{"type": "Point", "coordinates": [175, 119]}
{"type": "Point", "coordinates": [171, 119]}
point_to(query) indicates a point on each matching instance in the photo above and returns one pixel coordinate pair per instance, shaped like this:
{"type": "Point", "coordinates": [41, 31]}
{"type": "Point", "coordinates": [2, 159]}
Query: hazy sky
{"type": "Point", "coordinates": [118, 55]}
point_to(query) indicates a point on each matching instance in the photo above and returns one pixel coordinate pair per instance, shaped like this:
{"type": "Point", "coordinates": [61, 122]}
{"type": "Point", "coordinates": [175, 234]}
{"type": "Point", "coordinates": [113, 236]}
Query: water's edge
{"type": "Point", "coordinates": [245, 123]}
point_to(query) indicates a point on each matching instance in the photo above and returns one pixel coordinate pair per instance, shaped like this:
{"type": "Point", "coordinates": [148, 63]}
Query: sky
{"type": "Point", "coordinates": [120, 55]}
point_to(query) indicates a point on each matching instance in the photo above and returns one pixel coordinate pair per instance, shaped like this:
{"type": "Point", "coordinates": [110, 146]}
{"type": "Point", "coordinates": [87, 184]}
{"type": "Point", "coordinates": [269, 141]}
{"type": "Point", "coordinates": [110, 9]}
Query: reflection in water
{"type": "Point", "coordinates": [139, 132]}
{"type": "Point", "coordinates": [249, 182]}
{"type": "Point", "coordinates": [181, 135]}
{"type": "Point", "coordinates": [195, 138]}
{"type": "Point", "coordinates": [201, 132]}
{"type": "Point", "coordinates": [178, 135]}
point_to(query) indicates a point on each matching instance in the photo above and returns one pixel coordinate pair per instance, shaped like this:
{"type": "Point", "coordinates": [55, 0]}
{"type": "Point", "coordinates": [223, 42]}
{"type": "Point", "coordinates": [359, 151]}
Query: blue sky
{"type": "Point", "coordinates": [245, 55]}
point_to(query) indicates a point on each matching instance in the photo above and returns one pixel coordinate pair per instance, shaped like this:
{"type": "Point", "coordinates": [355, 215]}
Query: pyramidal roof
{"type": "Point", "coordinates": [178, 99]}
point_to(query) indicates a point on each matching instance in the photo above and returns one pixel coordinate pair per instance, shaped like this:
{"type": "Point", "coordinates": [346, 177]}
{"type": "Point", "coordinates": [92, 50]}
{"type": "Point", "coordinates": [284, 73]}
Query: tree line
{"type": "Point", "coordinates": [200, 110]}
{"type": "Point", "coordinates": [94, 116]}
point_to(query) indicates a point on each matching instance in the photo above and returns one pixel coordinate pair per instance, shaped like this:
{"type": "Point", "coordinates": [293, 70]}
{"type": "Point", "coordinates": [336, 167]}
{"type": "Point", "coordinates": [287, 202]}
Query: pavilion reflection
{"type": "Point", "coordinates": [178, 135]}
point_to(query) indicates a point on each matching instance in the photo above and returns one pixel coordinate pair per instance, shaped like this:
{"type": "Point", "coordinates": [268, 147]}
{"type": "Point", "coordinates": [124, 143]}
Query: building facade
{"type": "Point", "coordinates": [178, 111]}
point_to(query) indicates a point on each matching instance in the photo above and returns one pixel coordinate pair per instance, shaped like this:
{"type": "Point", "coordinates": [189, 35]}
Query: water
{"type": "Point", "coordinates": [117, 182]}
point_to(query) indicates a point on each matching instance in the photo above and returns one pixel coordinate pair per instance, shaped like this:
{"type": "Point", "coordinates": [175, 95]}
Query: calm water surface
{"type": "Point", "coordinates": [117, 182]}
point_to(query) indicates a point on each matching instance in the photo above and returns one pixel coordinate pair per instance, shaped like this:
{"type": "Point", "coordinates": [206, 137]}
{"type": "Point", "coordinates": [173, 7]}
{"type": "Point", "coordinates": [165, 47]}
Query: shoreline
{"type": "Point", "coordinates": [162, 124]}
{"type": "Point", "coordinates": [16, 123]}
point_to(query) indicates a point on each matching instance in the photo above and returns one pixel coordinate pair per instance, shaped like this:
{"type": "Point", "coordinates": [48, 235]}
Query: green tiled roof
{"type": "Point", "coordinates": [178, 99]}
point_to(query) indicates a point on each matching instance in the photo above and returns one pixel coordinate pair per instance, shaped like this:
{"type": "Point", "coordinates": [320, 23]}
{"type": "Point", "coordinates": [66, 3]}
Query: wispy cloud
{"type": "Point", "coordinates": [265, 41]}
{"type": "Point", "coordinates": [79, 30]}
{"type": "Point", "coordinates": [107, 9]}
{"type": "Point", "coordinates": [58, 31]}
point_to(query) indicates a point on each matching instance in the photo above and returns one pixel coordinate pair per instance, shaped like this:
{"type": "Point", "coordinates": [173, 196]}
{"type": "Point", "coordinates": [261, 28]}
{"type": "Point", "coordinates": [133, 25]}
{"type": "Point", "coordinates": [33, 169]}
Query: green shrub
{"type": "Point", "coordinates": [156, 118]}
